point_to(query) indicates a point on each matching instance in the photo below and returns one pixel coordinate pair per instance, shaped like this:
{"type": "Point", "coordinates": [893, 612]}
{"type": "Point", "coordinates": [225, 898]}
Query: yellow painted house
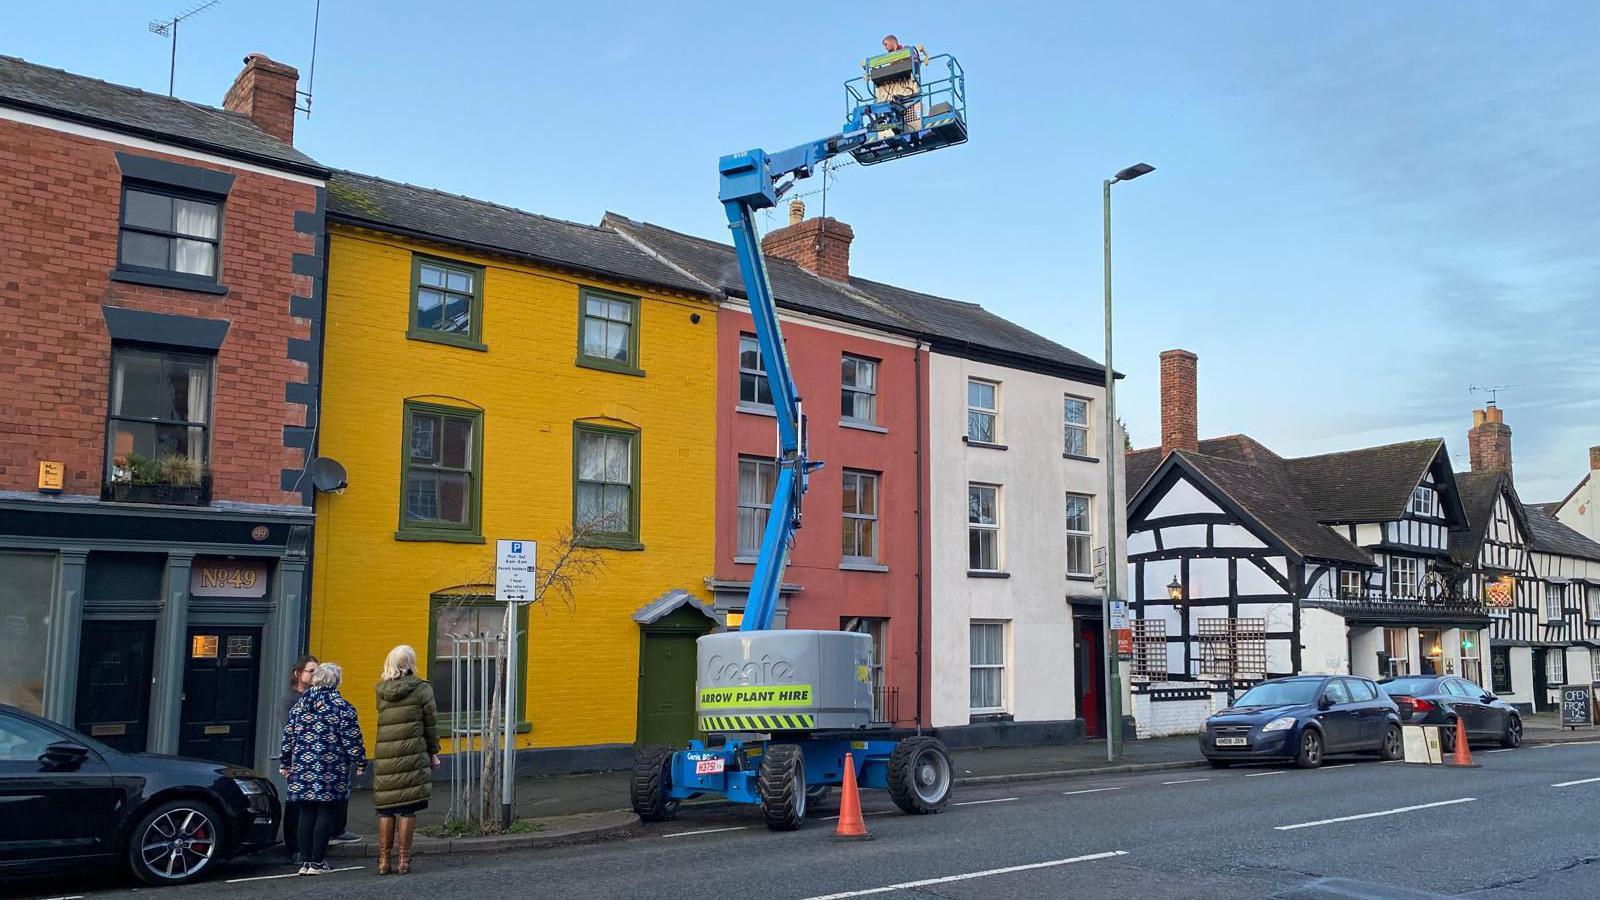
{"type": "Point", "coordinates": [489, 373]}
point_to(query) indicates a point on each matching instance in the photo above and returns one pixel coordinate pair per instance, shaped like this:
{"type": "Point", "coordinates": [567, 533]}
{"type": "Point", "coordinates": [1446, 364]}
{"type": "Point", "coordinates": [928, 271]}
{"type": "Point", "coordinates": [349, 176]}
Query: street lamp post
{"type": "Point", "coordinates": [1113, 673]}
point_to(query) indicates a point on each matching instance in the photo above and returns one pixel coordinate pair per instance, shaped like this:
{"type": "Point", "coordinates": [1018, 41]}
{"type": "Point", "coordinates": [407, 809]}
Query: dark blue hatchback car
{"type": "Point", "coordinates": [1304, 718]}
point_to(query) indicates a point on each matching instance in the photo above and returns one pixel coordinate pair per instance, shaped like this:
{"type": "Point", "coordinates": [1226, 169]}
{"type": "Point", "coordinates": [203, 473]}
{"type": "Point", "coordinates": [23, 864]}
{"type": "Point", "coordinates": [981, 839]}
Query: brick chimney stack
{"type": "Point", "coordinates": [1179, 425]}
{"type": "Point", "coordinates": [265, 91]}
{"type": "Point", "coordinates": [820, 246]}
{"type": "Point", "coordinates": [1489, 441]}
{"type": "Point", "coordinates": [1594, 459]}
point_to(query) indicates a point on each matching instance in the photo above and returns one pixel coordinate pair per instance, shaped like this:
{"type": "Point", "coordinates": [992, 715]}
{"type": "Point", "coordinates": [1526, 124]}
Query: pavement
{"type": "Point", "coordinates": [1520, 825]}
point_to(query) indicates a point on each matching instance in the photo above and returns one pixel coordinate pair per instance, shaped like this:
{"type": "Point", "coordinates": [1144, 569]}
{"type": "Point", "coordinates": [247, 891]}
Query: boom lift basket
{"type": "Point", "coordinates": [931, 116]}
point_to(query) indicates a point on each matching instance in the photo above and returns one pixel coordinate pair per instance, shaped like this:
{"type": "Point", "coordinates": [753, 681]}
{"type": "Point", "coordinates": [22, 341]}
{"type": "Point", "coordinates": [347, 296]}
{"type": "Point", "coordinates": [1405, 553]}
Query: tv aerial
{"type": "Point", "coordinates": [169, 28]}
{"type": "Point", "coordinates": [1493, 390]}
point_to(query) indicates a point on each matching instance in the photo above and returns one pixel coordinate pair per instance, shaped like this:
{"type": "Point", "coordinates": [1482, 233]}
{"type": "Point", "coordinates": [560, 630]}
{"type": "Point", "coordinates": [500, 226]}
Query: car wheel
{"type": "Point", "coordinates": [1310, 755]}
{"type": "Point", "coordinates": [1393, 745]}
{"type": "Point", "coordinates": [1513, 735]}
{"type": "Point", "coordinates": [1447, 737]}
{"type": "Point", "coordinates": [175, 842]}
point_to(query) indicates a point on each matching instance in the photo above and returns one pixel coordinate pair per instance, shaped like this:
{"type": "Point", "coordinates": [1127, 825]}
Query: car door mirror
{"type": "Point", "coordinates": [64, 756]}
{"type": "Point", "coordinates": [1324, 702]}
{"type": "Point", "coordinates": [1487, 698]}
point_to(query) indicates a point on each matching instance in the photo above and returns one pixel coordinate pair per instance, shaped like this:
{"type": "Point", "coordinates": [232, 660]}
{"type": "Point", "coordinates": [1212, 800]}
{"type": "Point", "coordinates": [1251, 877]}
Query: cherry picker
{"type": "Point", "coordinates": [781, 708]}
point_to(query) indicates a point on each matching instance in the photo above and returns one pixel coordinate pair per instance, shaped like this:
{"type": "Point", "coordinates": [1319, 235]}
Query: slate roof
{"type": "Point", "coordinates": [954, 326]}
{"type": "Point", "coordinates": [1478, 491]}
{"type": "Point", "coordinates": [669, 602]}
{"type": "Point", "coordinates": [61, 94]}
{"type": "Point", "coordinates": [1549, 509]}
{"type": "Point", "coordinates": [1293, 498]}
{"type": "Point", "coordinates": [1550, 535]}
{"type": "Point", "coordinates": [453, 219]}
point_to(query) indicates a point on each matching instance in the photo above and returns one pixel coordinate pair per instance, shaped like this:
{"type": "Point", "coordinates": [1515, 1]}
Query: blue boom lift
{"type": "Point", "coordinates": [781, 708]}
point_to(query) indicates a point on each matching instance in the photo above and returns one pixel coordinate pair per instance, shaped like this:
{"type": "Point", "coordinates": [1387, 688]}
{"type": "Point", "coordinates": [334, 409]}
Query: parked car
{"type": "Point", "coordinates": [1304, 719]}
{"type": "Point", "coordinates": [1442, 699]}
{"type": "Point", "coordinates": [71, 802]}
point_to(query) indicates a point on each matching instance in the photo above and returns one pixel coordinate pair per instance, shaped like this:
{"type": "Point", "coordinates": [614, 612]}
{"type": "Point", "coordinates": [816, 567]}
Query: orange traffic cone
{"type": "Point", "coordinates": [852, 827]}
{"type": "Point", "coordinates": [1463, 755]}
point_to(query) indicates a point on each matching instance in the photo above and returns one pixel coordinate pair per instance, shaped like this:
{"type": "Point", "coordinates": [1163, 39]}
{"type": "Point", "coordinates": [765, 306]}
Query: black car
{"type": "Point", "coordinates": [1443, 699]}
{"type": "Point", "coordinates": [70, 802]}
{"type": "Point", "coordinates": [1304, 719]}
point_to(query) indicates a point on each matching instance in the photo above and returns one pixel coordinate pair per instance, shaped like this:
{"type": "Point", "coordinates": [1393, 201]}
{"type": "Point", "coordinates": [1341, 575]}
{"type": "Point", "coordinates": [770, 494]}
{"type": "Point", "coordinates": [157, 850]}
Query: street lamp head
{"type": "Point", "coordinates": [1133, 171]}
{"type": "Point", "coordinates": [1175, 591]}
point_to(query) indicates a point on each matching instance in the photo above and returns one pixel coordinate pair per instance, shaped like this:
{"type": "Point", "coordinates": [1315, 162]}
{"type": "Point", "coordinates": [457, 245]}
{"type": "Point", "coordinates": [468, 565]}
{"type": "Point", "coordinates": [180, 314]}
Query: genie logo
{"type": "Point", "coordinates": [721, 670]}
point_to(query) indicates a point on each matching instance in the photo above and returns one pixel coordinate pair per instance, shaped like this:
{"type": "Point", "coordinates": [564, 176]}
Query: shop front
{"type": "Point", "coordinates": [153, 629]}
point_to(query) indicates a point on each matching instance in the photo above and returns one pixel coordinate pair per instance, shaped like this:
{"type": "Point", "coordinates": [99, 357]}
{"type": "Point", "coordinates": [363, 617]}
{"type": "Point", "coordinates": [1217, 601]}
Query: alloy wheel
{"type": "Point", "coordinates": [178, 843]}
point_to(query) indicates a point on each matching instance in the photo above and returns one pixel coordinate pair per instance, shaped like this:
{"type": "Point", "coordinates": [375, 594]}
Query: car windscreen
{"type": "Point", "coordinates": [1280, 693]}
{"type": "Point", "coordinates": [1408, 687]}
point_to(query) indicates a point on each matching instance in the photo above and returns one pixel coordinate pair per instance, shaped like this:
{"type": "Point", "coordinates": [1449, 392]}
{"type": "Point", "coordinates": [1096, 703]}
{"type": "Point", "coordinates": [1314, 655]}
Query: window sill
{"type": "Point", "coordinates": [982, 573]}
{"type": "Point", "coordinates": [756, 410]}
{"type": "Point", "coordinates": [1074, 456]}
{"type": "Point", "coordinates": [746, 560]}
{"type": "Point", "coordinates": [445, 537]}
{"type": "Point", "coordinates": [849, 566]}
{"type": "Point", "coordinates": [862, 426]}
{"type": "Point", "coordinates": [982, 444]}
{"type": "Point", "coordinates": [607, 543]}
{"type": "Point", "coordinates": [1072, 577]}
{"type": "Point", "coordinates": [606, 365]}
{"type": "Point", "coordinates": [988, 717]}
{"type": "Point", "coordinates": [448, 340]}
{"type": "Point", "coordinates": [173, 280]}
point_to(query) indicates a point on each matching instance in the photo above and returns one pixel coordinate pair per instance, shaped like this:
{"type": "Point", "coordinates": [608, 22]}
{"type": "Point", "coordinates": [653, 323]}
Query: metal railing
{"type": "Point", "coordinates": [885, 705]}
{"type": "Point", "coordinates": [477, 665]}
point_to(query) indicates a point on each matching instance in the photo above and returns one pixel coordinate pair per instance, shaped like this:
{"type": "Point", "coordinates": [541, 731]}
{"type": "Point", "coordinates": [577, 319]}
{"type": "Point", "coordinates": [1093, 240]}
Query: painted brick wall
{"type": "Point", "coordinates": [830, 593]}
{"type": "Point", "coordinates": [60, 196]}
{"type": "Point", "coordinates": [372, 591]}
{"type": "Point", "coordinates": [1165, 718]}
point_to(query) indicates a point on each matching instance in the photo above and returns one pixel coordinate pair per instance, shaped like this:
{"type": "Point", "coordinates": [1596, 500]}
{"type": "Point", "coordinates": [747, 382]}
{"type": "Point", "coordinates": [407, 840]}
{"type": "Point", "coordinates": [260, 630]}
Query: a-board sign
{"type": "Point", "coordinates": [1577, 706]}
{"type": "Point", "coordinates": [514, 570]}
{"type": "Point", "coordinates": [1421, 744]}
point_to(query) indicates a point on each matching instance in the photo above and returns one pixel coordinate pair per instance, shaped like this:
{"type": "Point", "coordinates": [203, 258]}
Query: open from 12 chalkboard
{"type": "Point", "coordinates": [1577, 706]}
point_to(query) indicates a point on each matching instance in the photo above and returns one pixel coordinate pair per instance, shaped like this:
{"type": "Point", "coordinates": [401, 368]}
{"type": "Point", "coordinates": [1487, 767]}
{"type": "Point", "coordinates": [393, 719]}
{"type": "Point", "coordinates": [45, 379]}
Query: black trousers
{"type": "Point", "coordinates": [291, 826]}
{"type": "Point", "coordinates": [319, 821]}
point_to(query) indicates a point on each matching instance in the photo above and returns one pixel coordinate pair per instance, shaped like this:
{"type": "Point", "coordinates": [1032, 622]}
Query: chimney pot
{"type": "Point", "coordinates": [1179, 424]}
{"type": "Point", "coordinates": [1489, 440]}
{"type": "Point", "coordinates": [797, 211]}
{"type": "Point", "coordinates": [265, 91]}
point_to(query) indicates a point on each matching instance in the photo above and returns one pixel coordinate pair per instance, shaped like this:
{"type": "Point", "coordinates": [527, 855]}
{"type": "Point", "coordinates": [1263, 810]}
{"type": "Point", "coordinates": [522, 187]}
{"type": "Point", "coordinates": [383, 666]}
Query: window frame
{"type": "Point", "coordinates": [1555, 658]}
{"type": "Point", "coordinates": [470, 532]}
{"type": "Point", "coordinates": [1594, 664]}
{"type": "Point", "coordinates": [120, 347]}
{"type": "Point", "coordinates": [995, 439]}
{"type": "Point", "coordinates": [1005, 636]}
{"type": "Point", "coordinates": [994, 528]}
{"type": "Point", "coordinates": [473, 339]}
{"type": "Point", "coordinates": [1555, 593]}
{"type": "Point", "coordinates": [1067, 427]}
{"type": "Point", "coordinates": [759, 374]}
{"type": "Point", "coordinates": [1346, 591]}
{"type": "Point", "coordinates": [485, 600]}
{"type": "Point", "coordinates": [1390, 634]}
{"type": "Point", "coordinates": [1087, 536]}
{"type": "Point", "coordinates": [1432, 495]}
{"type": "Point", "coordinates": [169, 277]}
{"type": "Point", "coordinates": [1591, 603]}
{"type": "Point", "coordinates": [632, 366]}
{"type": "Point", "coordinates": [877, 368]}
{"type": "Point", "coordinates": [1476, 657]}
{"type": "Point", "coordinates": [1414, 591]}
{"type": "Point", "coordinates": [750, 553]}
{"type": "Point", "coordinates": [848, 518]}
{"type": "Point", "coordinates": [629, 540]}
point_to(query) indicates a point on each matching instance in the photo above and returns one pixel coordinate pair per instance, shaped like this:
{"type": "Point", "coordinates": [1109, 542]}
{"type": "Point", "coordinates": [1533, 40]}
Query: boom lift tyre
{"type": "Point", "coordinates": [920, 775]}
{"type": "Point", "coordinates": [782, 786]}
{"type": "Point", "coordinates": [652, 774]}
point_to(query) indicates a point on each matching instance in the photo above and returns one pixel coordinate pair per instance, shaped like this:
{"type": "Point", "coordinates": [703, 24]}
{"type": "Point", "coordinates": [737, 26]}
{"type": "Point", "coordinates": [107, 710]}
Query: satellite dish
{"type": "Point", "coordinates": [327, 474]}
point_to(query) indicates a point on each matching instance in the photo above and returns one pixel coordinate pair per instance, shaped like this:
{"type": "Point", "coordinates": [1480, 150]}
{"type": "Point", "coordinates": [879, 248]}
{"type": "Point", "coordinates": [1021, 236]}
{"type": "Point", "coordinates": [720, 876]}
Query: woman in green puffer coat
{"type": "Point", "coordinates": [404, 757]}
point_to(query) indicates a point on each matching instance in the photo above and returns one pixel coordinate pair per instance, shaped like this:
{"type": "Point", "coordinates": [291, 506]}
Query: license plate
{"type": "Point", "coordinates": [708, 766]}
{"type": "Point", "coordinates": [1233, 742]}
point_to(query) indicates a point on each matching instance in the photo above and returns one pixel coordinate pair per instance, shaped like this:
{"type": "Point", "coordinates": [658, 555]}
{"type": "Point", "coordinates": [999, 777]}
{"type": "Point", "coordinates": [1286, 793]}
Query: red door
{"type": "Point", "coordinates": [1091, 675]}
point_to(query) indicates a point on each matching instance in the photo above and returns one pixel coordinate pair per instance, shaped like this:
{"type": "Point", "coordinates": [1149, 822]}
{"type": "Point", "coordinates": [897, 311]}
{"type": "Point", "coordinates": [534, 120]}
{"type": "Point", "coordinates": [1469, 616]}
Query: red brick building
{"type": "Point", "coordinates": [160, 300]}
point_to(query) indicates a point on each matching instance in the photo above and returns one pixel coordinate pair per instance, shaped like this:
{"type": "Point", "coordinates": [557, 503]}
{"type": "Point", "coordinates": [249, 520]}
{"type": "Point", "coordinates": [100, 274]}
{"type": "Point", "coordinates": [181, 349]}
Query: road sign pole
{"type": "Point", "coordinates": [515, 569]}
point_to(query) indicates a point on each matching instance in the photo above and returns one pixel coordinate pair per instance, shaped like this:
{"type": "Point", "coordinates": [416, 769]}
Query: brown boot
{"type": "Point", "coordinates": [385, 842]}
{"type": "Point", "coordinates": [405, 829]}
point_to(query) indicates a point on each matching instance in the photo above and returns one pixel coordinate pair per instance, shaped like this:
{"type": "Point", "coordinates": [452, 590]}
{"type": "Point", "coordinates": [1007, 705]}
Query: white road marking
{"type": "Point", "coordinates": [294, 874]}
{"type": "Point", "coordinates": [1390, 762]}
{"type": "Point", "coordinates": [705, 831]}
{"type": "Point", "coordinates": [1089, 791]}
{"type": "Point", "coordinates": [1501, 750]}
{"type": "Point", "coordinates": [1339, 766]}
{"type": "Point", "coordinates": [976, 802]}
{"type": "Point", "coordinates": [1374, 815]}
{"type": "Point", "coordinates": [1562, 744]}
{"type": "Point", "coordinates": [1187, 781]}
{"type": "Point", "coordinates": [1259, 774]}
{"type": "Point", "coordinates": [1579, 781]}
{"type": "Point", "coordinates": [968, 876]}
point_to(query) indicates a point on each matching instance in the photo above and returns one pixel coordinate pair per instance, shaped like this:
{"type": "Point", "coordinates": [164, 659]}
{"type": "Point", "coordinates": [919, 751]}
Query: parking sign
{"type": "Point", "coordinates": [515, 564]}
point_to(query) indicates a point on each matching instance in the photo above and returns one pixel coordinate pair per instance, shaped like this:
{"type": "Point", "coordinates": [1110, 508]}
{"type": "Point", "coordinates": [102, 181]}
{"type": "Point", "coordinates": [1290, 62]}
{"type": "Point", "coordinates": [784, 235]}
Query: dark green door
{"type": "Point", "coordinates": [666, 688]}
{"type": "Point", "coordinates": [219, 695]}
{"type": "Point", "coordinates": [113, 703]}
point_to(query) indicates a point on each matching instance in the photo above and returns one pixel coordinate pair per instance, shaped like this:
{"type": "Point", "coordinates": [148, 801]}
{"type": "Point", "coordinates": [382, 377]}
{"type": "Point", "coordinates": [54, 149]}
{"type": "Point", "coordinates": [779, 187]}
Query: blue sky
{"type": "Point", "coordinates": [1360, 210]}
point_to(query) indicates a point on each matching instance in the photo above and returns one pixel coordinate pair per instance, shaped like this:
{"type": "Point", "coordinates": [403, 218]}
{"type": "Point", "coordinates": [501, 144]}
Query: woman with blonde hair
{"type": "Point", "coordinates": [406, 753]}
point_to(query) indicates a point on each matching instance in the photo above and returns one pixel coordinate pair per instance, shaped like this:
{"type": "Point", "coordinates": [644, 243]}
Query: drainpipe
{"type": "Point", "coordinates": [916, 362]}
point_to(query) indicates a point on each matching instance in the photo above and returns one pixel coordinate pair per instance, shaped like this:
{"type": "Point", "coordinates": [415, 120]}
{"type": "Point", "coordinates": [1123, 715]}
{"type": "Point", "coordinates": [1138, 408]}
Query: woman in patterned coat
{"type": "Point", "coordinates": [321, 740]}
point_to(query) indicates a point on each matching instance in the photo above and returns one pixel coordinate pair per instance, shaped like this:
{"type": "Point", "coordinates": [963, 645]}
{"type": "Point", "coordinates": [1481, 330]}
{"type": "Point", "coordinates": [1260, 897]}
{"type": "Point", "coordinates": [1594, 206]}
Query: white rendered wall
{"type": "Point", "coordinates": [1325, 650]}
{"type": "Point", "coordinates": [1034, 479]}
